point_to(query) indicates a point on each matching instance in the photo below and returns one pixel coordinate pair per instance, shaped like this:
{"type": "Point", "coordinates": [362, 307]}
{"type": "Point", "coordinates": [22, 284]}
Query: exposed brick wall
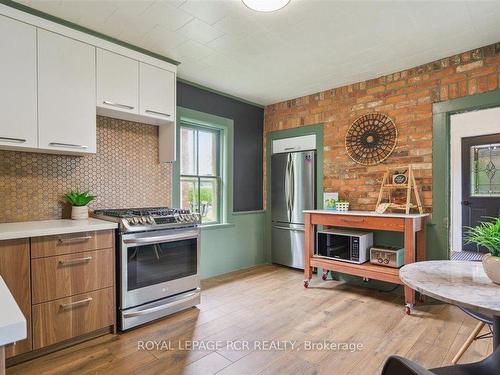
{"type": "Point", "coordinates": [407, 98]}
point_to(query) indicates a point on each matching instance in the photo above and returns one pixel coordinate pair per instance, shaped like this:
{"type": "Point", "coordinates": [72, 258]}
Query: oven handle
{"type": "Point", "coordinates": [158, 239]}
{"type": "Point", "coordinates": [162, 307]}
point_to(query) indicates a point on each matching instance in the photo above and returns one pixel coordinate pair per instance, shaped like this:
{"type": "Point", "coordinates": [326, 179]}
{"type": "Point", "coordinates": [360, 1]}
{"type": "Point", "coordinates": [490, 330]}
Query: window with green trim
{"type": "Point", "coordinates": [201, 177]}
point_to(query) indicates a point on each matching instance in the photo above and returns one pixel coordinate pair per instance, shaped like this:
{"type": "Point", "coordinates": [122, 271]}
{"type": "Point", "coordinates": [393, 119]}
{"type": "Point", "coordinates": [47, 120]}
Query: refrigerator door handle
{"type": "Point", "coordinates": [287, 187]}
{"type": "Point", "coordinates": [289, 228]}
{"type": "Point", "coordinates": [292, 186]}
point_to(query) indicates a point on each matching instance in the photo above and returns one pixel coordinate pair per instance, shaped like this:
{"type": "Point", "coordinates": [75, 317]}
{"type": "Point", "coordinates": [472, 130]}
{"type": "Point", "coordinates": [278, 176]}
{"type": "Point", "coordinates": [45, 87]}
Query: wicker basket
{"type": "Point", "coordinates": [342, 206]}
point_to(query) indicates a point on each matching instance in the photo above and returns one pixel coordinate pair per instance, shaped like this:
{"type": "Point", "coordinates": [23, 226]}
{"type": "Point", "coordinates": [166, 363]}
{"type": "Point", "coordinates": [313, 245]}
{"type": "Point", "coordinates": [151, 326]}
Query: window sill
{"type": "Point", "coordinates": [217, 226]}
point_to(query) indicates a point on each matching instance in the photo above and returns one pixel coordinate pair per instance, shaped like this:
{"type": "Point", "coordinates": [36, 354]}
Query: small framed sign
{"type": "Point", "coordinates": [329, 200]}
{"type": "Point", "coordinates": [399, 178]}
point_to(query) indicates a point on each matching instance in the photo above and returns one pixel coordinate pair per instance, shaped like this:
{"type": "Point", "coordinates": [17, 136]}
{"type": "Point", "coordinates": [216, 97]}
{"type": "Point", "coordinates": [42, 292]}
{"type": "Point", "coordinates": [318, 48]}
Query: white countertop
{"type": "Point", "coordinates": [24, 229]}
{"type": "Point", "coordinates": [12, 320]}
{"type": "Point", "coordinates": [366, 213]}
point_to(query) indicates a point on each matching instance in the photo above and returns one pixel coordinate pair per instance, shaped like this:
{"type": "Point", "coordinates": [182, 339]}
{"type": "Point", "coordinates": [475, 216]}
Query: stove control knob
{"type": "Point", "coordinates": [150, 220]}
{"type": "Point", "coordinates": [131, 221]}
{"type": "Point", "coordinates": [142, 220]}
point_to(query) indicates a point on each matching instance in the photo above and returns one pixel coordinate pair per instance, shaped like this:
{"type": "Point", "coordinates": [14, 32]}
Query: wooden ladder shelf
{"type": "Point", "coordinates": [388, 186]}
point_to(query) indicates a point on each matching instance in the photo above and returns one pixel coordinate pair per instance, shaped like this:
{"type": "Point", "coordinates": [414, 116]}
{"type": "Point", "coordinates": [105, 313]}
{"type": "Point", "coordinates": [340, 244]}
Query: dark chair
{"type": "Point", "coordinates": [396, 365]}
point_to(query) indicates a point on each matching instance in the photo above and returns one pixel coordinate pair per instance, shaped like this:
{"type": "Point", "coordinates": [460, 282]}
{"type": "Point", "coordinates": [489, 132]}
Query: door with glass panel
{"type": "Point", "coordinates": [480, 182]}
{"type": "Point", "coordinates": [201, 171]}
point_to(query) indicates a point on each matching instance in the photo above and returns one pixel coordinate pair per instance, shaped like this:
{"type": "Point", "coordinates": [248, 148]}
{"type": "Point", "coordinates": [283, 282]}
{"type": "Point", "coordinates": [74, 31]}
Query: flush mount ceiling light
{"type": "Point", "coordinates": [265, 5]}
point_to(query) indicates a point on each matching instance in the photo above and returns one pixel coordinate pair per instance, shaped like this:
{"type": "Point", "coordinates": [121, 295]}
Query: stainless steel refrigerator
{"type": "Point", "coordinates": [293, 189]}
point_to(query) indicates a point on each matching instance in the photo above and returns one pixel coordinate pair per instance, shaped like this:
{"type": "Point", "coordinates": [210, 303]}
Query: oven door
{"type": "Point", "coordinates": [158, 264]}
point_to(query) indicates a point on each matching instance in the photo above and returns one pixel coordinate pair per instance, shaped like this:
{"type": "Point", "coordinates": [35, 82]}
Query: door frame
{"type": "Point", "coordinates": [438, 232]}
{"type": "Point", "coordinates": [458, 131]}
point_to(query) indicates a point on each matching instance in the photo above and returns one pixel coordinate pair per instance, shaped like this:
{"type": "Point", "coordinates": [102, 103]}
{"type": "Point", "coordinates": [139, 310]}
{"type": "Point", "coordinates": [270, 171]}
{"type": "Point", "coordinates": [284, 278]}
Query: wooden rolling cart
{"type": "Point", "coordinates": [412, 225]}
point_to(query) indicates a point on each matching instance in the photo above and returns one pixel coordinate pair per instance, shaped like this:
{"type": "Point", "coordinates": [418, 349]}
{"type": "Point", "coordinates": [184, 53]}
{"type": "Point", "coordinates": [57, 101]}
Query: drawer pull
{"type": "Point", "coordinates": [74, 239]}
{"type": "Point", "coordinates": [66, 306]}
{"type": "Point", "coordinates": [74, 261]}
{"type": "Point", "coordinates": [353, 220]}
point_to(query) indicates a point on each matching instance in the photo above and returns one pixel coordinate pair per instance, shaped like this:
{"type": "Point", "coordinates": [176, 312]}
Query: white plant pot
{"type": "Point", "coordinates": [342, 206]}
{"type": "Point", "coordinates": [79, 212]}
{"type": "Point", "coordinates": [491, 265]}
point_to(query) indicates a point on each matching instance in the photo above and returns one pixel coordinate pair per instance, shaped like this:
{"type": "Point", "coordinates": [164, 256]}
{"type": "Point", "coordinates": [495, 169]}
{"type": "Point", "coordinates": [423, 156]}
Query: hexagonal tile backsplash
{"type": "Point", "coordinates": [125, 172]}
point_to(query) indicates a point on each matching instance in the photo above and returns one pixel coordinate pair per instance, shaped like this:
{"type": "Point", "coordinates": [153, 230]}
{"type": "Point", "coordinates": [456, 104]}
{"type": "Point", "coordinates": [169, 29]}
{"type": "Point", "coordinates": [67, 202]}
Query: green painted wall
{"type": "Point", "coordinates": [233, 247]}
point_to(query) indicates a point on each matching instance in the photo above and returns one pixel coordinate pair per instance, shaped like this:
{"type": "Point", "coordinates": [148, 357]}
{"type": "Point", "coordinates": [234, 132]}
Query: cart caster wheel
{"type": "Point", "coordinates": [324, 276]}
{"type": "Point", "coordinates": [408, 309]}
{"type": "Point", "coordinates": [306, 284]}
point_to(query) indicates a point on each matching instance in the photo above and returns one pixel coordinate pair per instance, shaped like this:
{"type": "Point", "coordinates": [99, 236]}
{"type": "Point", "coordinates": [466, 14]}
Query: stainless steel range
{"type": "Point", "coordinates": [158, 262]}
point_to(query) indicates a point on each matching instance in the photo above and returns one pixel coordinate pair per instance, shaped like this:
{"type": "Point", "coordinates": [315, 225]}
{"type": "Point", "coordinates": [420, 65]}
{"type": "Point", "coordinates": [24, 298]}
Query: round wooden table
{"type": "Point", "coordinates": [461, 283]}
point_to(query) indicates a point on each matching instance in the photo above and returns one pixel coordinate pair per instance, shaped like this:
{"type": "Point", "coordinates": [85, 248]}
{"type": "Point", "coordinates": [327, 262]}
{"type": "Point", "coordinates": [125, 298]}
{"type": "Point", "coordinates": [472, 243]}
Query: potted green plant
{"type": "Point", "coordinates": [487, 234]}
{"type": "Point", "coordinates": [79, 202]}
{"type": "Point", "coordinates": [330, 204]}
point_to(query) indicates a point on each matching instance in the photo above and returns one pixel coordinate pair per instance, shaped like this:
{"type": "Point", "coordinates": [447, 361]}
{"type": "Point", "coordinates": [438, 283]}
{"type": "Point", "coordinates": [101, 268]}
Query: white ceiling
{"type": "Point", "coordinates": [309, 46]}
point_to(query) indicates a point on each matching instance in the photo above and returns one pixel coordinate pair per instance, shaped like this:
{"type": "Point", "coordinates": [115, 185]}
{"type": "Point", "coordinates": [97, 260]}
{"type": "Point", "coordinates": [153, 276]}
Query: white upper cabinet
{"type": "Point", "coordinates": [54, 80]}
{"type": "Point", "coordinates": [66, 94]}
{"type": "Point", "coordinates": [117, 82]}
{"type": "Point", "coordinates": [156, 93]}
{"type": "Point", "coordinates": [18, 108]}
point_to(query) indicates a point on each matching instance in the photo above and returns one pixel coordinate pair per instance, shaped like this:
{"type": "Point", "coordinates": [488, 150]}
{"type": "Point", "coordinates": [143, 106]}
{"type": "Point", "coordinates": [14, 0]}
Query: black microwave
{"type": "Point", "coordinates": [345, 245]}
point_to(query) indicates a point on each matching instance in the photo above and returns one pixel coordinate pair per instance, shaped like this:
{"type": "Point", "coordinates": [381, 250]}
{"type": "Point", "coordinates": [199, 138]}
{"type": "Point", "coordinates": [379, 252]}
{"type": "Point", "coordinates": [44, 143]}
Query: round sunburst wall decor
{"type": "Point", "coordinates": [371, 139]}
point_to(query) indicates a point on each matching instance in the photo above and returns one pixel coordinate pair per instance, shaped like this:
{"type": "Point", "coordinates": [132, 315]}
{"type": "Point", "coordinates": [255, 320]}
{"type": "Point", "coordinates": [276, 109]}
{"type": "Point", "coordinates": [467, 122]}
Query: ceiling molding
{"type": "Point", "coordinates": [185, 81]}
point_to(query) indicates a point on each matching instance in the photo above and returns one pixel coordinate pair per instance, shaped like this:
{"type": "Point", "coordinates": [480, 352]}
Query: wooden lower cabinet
{"type": "Point", "coordinates": [66, 318]}
{"type": "Point", "coordinates": [65, 287]}
{"type": "Point", "coordinates": [15, 271]}
{"type": "Point", "coordinates": [71, 243]}
{"type": "Point", "coordinates": [67, 275]}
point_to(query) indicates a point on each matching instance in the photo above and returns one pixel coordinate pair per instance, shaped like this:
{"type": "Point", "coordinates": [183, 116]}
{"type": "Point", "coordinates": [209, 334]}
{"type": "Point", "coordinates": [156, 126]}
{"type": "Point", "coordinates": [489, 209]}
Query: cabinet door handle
{"type": "Point", "coordinates": [74, 239]}
{"type": "Point", "coordinates": [156, 113]}
{"type": "Point", "coordinates": [65, 306]}
{"type": "Point", "coordinates": [118, 105]}
{"type": "Point", "coordinates": [57, 144]}
{"type": "Point", "coordinates": [74, 261]}
{"type": "Point", "coordinates": [16, 140]}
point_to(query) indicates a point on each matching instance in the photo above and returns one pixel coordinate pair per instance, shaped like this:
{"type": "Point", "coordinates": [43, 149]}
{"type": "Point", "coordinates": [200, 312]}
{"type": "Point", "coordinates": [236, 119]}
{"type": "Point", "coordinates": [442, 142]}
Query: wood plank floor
{"type": "Point", "coordinates": [269, 303]}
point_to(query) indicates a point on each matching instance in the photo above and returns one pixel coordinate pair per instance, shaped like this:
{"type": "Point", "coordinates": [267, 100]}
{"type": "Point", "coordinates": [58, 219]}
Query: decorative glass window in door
{"type": "Point", "coordinates": [485, 170]}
